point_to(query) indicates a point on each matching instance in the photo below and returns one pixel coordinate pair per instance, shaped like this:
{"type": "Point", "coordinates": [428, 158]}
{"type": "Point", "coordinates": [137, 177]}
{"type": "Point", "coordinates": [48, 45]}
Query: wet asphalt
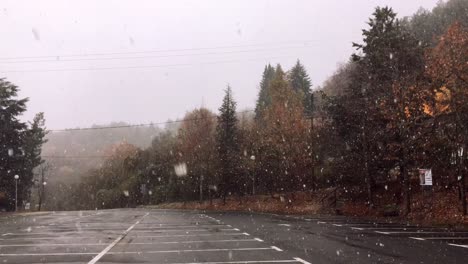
{"type": "Point", "coordinates": [173, 236]}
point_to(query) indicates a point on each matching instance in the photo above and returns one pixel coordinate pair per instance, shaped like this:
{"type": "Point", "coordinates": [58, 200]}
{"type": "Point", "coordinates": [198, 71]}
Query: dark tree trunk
{"type": "Point", "coordinates": [461, 182]}
{"type": "Point", "coordinates": [368, 176]}
{"type": "Point", "coordinates": [406, 187]}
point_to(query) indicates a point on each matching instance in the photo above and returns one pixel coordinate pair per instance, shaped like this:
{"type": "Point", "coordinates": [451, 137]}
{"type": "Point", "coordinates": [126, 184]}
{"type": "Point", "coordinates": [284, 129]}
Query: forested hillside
{"type": "Point", "coordinates": [398, 105]}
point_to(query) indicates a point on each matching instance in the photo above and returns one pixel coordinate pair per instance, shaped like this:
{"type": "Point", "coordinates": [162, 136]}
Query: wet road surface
{"type": "Point", "coordinates": [171, 236]}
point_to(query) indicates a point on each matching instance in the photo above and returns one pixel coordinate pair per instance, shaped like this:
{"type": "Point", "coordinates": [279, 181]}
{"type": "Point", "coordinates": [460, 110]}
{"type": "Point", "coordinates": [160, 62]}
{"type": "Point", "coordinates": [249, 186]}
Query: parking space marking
{"type": "Point", "coordinates": [52, 245]}
{"type": "Point", "coordinates": [302, 261]}
{"type": "Point", "coordinates": [47, 254]}
{"type": "Point", "coordinates": [416, 232]}
{"type": "Point", "coordinates": [248, 261]}
{"type": "Point", "coordinates": [417, 238]}
{"type": "Point", "coordinates": [458, 245]}
{"type": "Point", "coordinates": [403, 228]}
{"type": "Point", "coordinates": [55, 233]}
{"type": "Point", "coordinates": [133, 243]}
{"type": "Point", "coordinates": [182, 230]}
{"type": "Point", "coordinates": [117, 240]}
{"type": "Point", "coordinates": [194, 235]}
{"type": "Point", "coordinates": [44, 238]}
{"type": "Point", "coordinates": [438, 238]}
{"type": "Point", "coordinates": [276, 248]}
{"type": "Point", "coordinates": [188, 250]}
{"type": "Point", "coordinates": [378, 224]}
{"type": "Point", "coordinates": [107, 228]}
{"type": "Point", "coordinates": [258, 239]}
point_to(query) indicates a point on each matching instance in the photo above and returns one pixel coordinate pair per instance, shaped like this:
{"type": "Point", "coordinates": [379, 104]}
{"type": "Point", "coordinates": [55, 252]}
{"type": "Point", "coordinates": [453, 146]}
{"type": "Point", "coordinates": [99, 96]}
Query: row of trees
{"type": "Point", "coordinates": [20, 147]}
{"type": "Point", "coordinates": [225, 154]}
{"type": "Point", "coordinates": [399, 104]}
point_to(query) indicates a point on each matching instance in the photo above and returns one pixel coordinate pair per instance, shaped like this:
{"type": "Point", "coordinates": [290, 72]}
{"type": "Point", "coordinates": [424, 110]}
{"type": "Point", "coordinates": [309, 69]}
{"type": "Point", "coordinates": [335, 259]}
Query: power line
{"type": "Point", "coordinates": [139, 125]}
{"type": "Point", "coordinates": [140, 67]}
{"type": "Point", "coordinates": [151, 56]}
{"type": "Point", "coordinates": [150, 51]}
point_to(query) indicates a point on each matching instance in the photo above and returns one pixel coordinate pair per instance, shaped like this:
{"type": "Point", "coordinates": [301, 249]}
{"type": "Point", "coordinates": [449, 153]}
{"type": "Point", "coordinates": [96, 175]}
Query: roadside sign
{"type": "Point", "coordinates": [425, 177]}
{"type": "Point", "coordinates": [180, 169]}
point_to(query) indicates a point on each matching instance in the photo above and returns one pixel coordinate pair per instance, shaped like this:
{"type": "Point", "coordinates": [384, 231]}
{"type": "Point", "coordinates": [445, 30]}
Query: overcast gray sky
{"type": "Point", "coordinates": [178, 54]}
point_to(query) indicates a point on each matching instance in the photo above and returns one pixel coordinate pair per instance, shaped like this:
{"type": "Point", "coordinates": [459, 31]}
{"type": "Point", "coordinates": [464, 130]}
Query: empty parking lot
{"type": "Point", "coordinates": [170, 236]}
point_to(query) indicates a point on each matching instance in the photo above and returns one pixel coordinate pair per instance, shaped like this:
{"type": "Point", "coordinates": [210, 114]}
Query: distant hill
{"type": "Point", "coordinates": [73, 153]}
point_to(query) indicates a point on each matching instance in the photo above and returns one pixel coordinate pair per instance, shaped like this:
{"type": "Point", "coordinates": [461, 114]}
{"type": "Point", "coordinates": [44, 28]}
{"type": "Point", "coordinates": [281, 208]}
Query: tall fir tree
{"type": "Point", "coordinates": [227, 143]}
{"type": "Point", "coordinates": [11, 142]}
{"type": "Point", "coordinates": [300, 82]}
{"type": "Point", "coordinates": [264, 95]}
{"type": "Point", "coordinates": [392, 62]}
{"type": "Point", "coordinates": [34, 138]}
{"type": "Point", "coordinates": [20, 146]}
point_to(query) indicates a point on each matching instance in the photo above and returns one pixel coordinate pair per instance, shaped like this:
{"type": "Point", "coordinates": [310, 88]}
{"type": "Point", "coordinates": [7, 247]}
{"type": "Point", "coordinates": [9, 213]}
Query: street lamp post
{"type": "Point", "coordinates": [16, 192]}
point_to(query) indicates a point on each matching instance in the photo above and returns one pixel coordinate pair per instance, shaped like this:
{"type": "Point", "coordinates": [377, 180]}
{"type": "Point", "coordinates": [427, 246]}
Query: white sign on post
{"type": "Point", "coordinates": [425, 177]}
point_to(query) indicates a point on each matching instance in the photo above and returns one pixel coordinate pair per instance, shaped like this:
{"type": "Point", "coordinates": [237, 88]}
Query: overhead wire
{"type": "Point", "coordinates": [58, 58]}
{"type": "Point", "coordinates": [150, 51]}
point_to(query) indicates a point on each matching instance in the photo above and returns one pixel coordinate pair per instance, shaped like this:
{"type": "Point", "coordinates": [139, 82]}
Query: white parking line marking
{"type": "Point", "coordinates": [302, 261]}
{"type": "Point", "coordinates": [415, 232]}
{"type": "Point", "coordinates": [337, 225]}
{"type": "Point", "coordinates": [380, 232]}
{"type": "Point", "coordinates": [377, 224]}
{"type": "Point", "coordinates": [439, 238]}
{"type": "Point", "coordinates": [284, 225]}
{"type": "Point", "coordinates": [276, 248]}
{"type": "Point", "coordinates": [357, 228]}
{"type": "Point", "coordinates": [188, 250]}
{"type": "Point", "coordinates": [119, 228]}
{"type": "Point", "coordinates": [48, 254]}
{"type": "Point", "coordinates": [458, 245]}
{"type": "Point", "coordinates": [43, 238]}
{"type": "Point", "coordinates": [188, 235]}
{"type": "Point", "coordinates": [258, 239]}
{"type": "Point", "coordinates": [403, 228]}
{"type": "Point", "coordinates": [321, 222]}
{"type": "Point", "coordinates": [58, 233]}
{"type": "Point", "coordinates": [52, 245]}
{"type": "Point", "coordinates": [247, 234]}
{"type": "Point", "coordinates": [179, 230]}
{"type": "Point", "coordinates": [133, 243]}
{"type": "Point", "coordinates": [111, 245]}
{"type": "Point", "coordinates": [418, 238]}
{"type": "Point", "coordinates": [247, 261]}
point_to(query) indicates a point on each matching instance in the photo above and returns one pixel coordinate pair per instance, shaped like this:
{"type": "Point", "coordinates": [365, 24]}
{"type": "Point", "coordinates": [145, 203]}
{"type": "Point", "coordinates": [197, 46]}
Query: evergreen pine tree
{"type": "Point", "coordinates": [11, 142]}
{"type": "Point", "coordinates": [264, 96]}
{"type": "Point", "coordinates": [34, 138]}
{"type": "Point", "coordinates": [227, 142]}
{"type": "Point", "coordinates": [300, 82]}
